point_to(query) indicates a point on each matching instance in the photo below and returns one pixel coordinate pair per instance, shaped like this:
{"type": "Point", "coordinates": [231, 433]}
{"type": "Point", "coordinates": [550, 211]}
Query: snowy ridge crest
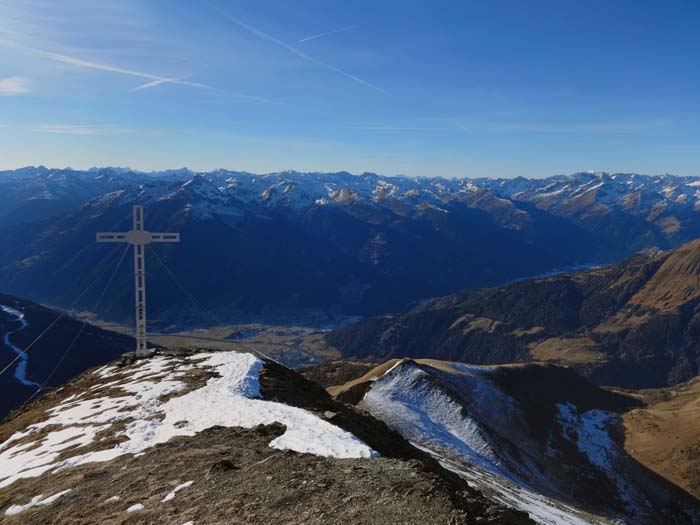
{"type": "Point", "coordinates": [525, 452]}
{"type": "Point", "coordinates": [151, 402]}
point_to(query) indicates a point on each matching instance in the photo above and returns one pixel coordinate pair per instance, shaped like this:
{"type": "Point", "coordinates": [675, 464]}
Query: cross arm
{"type": "Point", "coordinates": [138, 237]}
{"type": "Point", "coordinates": [165, 237]}
{"type": "Point", "coordinates": [111, 237]}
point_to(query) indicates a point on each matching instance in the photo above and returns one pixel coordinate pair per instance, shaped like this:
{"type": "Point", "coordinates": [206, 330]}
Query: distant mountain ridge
{"type": "Point", "coordinates": [298, 244]}
{"type": "Point", "coordinates": [631, 324]}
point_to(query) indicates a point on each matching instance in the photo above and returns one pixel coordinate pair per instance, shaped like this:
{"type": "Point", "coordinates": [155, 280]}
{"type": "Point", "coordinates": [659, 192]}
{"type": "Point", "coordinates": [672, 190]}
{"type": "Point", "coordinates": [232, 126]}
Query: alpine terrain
{"type": "Point", "coordinates": [218, 437]}
{"type": "Point", "coordinates": [632, 324]}
{"type": "Point", "coordinates": [320, 246]}
{"type": "Point", "coordinates": [563, 398]}
{"type": "Point", "coordinates": [229, 437]}
{"type": "Point", "coordinates": [441, 316]}
{"type": "Point", "coordinates": [540, 438]}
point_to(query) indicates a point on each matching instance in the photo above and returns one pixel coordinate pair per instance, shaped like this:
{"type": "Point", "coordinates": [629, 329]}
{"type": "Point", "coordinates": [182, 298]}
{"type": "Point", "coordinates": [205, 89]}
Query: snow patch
{"type": "Point", "coordinates": [36, 501]}
{"type": "Point", "coordinates": [135, 508]}
{"type": "Point", "coordinates": [441, 414]}
{"type": "Point", "coordinates": [593, 439]}
{"type": "Point", "coordinates": [231, 400]}
{"type": "Point", "coordinates": [106, 371]}
{"type": "Point", "coordinates": [479, 370]}
{"type": "Point", "coordinates": [541, 509]}
{"type": "Point", "coordinates": [171, 495]}
{"type": "Point", "coordinates": [234, 396]}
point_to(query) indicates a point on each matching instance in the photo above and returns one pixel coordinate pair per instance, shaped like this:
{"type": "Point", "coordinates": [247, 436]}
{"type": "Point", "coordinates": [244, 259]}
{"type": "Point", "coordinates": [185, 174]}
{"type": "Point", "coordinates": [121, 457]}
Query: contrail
{"type": "Point", "coordinates": [153, 80]}
{"type": "Point", "coordinates": [154, 83]}
{"type": "Point", "coordinates": [334, 32]}
{"type": "Point", "coordinates": [300, 54]}
{"type": "Point", "coordinates": [57, 57]}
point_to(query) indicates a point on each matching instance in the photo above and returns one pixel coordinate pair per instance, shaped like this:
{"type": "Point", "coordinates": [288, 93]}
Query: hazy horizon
{"type": "Point", "coordinates": [331, 172]}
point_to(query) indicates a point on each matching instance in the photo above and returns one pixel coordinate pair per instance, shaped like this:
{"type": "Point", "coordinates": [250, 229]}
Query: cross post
{"type": "Point", "coordinates": [139, 237]}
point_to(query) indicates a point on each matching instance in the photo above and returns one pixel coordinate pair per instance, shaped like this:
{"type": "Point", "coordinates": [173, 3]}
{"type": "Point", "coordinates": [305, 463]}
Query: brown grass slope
{"type": "Point", "coordinates": [664, 434]}
{"type": "Point", "coordinates": [675, 283]}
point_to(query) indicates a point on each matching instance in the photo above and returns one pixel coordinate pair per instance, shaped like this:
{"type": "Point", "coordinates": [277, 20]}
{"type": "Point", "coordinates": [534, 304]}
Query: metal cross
{"type": "Point", "coordinates": [139, 238]}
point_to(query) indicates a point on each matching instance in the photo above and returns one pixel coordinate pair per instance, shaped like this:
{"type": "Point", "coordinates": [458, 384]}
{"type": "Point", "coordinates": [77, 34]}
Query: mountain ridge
{"type": "Point", "coordinates": [631, 324]}
{"type": "Point", "coordinates": [525, 429]}
{"type": "Point", "coordinates": [229, 437]}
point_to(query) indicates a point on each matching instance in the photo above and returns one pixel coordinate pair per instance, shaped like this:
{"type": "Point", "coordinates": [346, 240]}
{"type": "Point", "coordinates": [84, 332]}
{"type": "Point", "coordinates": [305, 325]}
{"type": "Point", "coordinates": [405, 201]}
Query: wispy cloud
{"type": "Point", "coordinates": [87, 64]}
{"type": "Point", "coordinates": [13, 86]}
{"type": "Point", "coordinates": [488, 126]}
{"type": "Point", "coordinates": [400, 128]}
{"type": "Point", "coordinates": [182, 82]}
{"type": "Point", "coordinates": [328, 33]}
{"type": "Point", "coordinates": [76, 129]}
{"type": "Point", "coordinates": [101, 66]}
{"type": "Point", "coordinates": [611, 127]}
{"type": "Point", "coordinates": [300, 54]}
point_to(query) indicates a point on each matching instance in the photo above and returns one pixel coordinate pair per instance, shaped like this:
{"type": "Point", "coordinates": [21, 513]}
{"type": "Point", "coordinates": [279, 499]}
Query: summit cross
{"type": "Point", "coordinates": [139, 238]}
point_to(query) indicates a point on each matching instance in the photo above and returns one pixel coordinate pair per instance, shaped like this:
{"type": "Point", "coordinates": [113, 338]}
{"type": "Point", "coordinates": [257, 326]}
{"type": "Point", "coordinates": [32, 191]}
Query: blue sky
{"type": "Point", "coordinates": [450, 88]}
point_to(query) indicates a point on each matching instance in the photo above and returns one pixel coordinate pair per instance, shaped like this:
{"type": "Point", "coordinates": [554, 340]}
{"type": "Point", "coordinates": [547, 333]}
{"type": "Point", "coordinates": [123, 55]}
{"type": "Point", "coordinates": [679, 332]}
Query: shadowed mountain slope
{"type": "Point", "coordinates": [541, 437]}
{"type": "Point", "coordinates": [632, 324]}
{"type": "Point", "coordinates": [21, 322]}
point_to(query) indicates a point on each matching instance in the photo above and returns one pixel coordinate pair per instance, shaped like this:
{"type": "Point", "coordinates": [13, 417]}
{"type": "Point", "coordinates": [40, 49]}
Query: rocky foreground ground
{"type": "Point", "coordinates": [232, 474]}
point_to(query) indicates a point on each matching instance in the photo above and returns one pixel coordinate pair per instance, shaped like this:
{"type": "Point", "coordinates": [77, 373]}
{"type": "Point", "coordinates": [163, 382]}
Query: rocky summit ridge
{"type": "Point", "coordinates": [217, 437]}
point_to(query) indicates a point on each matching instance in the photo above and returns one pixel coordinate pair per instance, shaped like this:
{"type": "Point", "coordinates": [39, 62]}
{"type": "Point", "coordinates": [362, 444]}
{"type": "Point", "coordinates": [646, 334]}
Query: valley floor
{"type": "Point", "coordinates": [294, 346]}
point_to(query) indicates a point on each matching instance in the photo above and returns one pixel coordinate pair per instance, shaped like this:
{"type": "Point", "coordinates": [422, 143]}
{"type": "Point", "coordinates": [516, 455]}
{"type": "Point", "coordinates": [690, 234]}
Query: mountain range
{"type": "Point", "coordinates": [323, 245]}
